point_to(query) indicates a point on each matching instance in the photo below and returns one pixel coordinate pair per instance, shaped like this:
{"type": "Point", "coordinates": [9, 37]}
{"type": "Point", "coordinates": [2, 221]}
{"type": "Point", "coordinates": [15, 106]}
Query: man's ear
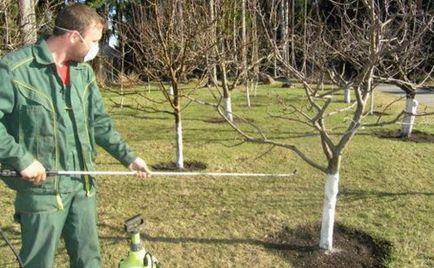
{"type": "Point", "coordinates": [73, 37]}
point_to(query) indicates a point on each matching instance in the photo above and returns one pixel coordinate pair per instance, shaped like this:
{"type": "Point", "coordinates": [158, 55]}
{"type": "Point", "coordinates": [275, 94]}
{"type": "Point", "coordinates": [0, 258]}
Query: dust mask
{"type": "Point", "coordinates": [93, 51]}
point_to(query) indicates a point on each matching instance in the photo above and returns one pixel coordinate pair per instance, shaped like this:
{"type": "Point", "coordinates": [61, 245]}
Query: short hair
{"type": "Point", "coordinates": [76, 17]}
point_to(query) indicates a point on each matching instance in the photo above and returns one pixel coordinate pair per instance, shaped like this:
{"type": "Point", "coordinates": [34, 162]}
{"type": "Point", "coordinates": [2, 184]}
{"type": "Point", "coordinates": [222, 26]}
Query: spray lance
{"type": "Point", "coordinates": [138, 257]}
{"type": "Point", "coordinates": [12, 173]}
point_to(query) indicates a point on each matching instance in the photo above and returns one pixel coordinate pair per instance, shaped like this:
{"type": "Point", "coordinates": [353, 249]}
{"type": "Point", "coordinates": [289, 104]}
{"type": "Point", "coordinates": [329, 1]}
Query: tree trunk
{"type": "Point", "coordinates": [347, 94]}
{"type": "Point", "coordinates": [228, 108]}
{"type": "Point", "coordinates": [27, 21]}
{"type": "Point", "coordinates": [179, 143]}
{"type": "Point", "coordinates": [371, 108]}
{"type": "Point", "coordinates": [244, 50]}
{"type": "Point", "coordinates": [328, 214]}
{"type": "Point", "coordinates": [235, 32]}
{"type": "Point", "coordinates": [226, 95]}
{"type": "Point", "coordinates": [305, 37]}
{"type": "Point", "coordinates": [181, 33]}
{"type": "Point", "coordinates": [178, 123]}
{"type": "Point", "coordinates": [408, 121]}
{"type": "Point", "coordinates": [170, 91]}
{"type": "Point", "coordinates": [255, 47]}
{"type": "Point", "coordinates": [293, 33]}
{"type": "Point", "coordinates": [123, 76]}
{"type": "Point", "coordinates": [213, 71]}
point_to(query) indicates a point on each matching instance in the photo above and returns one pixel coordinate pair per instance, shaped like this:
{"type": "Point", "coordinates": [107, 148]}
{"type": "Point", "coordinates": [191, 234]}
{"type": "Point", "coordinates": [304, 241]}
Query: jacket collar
{"type": "Point", "coordinates": [41, 52]}
{"type": "Point", "coordinates": [43, 55]}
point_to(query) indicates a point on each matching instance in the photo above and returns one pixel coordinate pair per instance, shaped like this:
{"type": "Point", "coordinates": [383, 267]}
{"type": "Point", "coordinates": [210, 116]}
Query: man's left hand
{"type": "Point", "coordinates": [140, 166]}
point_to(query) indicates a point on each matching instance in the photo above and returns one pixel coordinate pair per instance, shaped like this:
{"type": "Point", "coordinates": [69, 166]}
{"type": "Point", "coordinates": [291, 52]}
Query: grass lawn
{"type": "Point", "coordinates": [386, 187]}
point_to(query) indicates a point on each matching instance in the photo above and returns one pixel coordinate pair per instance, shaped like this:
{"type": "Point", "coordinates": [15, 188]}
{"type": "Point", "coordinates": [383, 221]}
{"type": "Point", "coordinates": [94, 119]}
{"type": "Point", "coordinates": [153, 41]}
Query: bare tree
{"type": "Point", "coordinates": [228, 47]}
{"type": "Point", "coordinates": [408, 54]}
{"type": "Point", "coordinates": [168, 40]}
{"type": "Point", "coordinates": [359, 43]}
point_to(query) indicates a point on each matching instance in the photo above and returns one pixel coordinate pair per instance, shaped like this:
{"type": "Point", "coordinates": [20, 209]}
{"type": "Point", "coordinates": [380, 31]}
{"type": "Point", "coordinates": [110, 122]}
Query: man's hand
{"type": "Point", "coordinates": [140, 166]}
{"type": "Point", "coordinates": [35, 172]}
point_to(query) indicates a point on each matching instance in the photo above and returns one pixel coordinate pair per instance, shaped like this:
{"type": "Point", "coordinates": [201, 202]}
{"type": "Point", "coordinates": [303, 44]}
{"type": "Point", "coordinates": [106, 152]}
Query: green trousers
{"type": "Point", "coordinates": [43, 224]}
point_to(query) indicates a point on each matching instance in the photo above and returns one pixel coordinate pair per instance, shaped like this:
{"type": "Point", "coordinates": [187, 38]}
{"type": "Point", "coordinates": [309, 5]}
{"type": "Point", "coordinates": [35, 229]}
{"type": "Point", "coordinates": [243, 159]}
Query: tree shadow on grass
{"type": "Point", "coordinates": [416, 136]}
{"type": "Point", "coordinates": [206, 241]}
{"type": "Point", "coordinates": [356, 195]}
{"type": "Point", "coordinates": [188, 166]}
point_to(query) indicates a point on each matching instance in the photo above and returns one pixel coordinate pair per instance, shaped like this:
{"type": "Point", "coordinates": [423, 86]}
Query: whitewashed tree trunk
{"type": "Point", "coordinates": [228, 108]}
{"type": "Point", "coordinates": [226, 94]}
{"type": "Point", "coordinates": [179, 146]}
{"type": "Point", "coordinates": [170, 91]}
{"type": "Point", "coordinates": [370, 89]}
{"type": "Point", "coordinates": [408, 121]}
{"type": "Point", "coordinates": [347, 94]}
{"type": "Point", "coordinates": [328, 214]}
{"type": "Point", "coordinates": [371, 109]}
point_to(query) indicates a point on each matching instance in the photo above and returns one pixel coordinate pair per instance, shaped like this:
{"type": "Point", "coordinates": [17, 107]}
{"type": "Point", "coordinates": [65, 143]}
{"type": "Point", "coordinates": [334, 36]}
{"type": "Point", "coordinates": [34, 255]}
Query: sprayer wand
{"type": "Point", "coordinates": [13, 173]}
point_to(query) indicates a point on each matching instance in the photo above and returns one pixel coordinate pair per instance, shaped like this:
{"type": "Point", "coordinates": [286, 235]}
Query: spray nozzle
{"type": "Point", "coordinates": [132, 224]}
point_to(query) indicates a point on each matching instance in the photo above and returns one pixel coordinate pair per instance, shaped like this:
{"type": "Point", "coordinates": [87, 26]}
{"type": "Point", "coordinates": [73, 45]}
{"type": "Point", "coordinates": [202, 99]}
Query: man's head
{"type": "Point", "coordinates": [80, 27]}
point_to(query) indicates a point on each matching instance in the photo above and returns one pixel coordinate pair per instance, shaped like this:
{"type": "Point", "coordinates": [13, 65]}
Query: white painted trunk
{"type": "Point", "coordinates": [248, 93]}
{"type": "Point", "coordinates": [228, 109]}
{"type": "Point", "coordinates": [328, 214]}
{"type": "Point", "coordinates": [347, 94]}
{"type": "Point", "coordinates": [170, 91]}
{"type": "Point", "coordinates": [408, 121]}
{"type": "Point", "coordinates": [179, 146]}
{"type": "Point", "coordinates": [371, 110]}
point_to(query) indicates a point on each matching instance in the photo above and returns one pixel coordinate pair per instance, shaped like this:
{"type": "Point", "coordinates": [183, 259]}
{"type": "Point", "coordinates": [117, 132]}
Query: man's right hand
{"type": "Point", "coordinates": [35, 172]}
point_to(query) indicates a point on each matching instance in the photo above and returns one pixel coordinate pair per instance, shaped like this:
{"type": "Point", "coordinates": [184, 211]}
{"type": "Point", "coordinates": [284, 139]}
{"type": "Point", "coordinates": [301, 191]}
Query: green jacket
{"type": "Point", "coordinates": [58, 125]}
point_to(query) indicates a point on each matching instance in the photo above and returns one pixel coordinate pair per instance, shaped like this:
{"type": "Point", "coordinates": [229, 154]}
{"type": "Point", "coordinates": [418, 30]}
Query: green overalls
{"type": "Point", "coordinates": [58, 125]}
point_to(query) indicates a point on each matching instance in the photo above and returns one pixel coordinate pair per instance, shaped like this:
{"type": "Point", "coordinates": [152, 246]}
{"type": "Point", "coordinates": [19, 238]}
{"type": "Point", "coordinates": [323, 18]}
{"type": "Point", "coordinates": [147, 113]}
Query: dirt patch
{"type": "Point", "coordinates": [188, 166]}
{"type": "Point", "coordinates": [219, 120]}
{"type": "Point", "coordinates": [416, 136]}
{"type": "Point", "coordinates": [353, 248]}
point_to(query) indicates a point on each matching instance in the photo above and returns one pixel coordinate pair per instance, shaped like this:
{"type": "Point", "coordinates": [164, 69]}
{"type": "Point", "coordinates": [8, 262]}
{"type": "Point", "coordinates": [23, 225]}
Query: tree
{"type": "Point", "coordinates": [407, 62]}
{"type": "Point", "coordinates": [358, 42]}
{"type": "Point", "coordinates": [168, 41]}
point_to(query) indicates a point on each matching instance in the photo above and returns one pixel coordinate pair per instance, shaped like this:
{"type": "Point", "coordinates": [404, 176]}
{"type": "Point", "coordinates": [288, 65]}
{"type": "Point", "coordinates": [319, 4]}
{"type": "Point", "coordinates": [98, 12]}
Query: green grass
{"type": "Point", "coordinates": [386, 187]}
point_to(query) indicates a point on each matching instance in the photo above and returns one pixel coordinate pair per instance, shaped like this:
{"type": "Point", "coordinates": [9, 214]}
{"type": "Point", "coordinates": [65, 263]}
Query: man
{"type": "Point", "coordinates": [51, 118]}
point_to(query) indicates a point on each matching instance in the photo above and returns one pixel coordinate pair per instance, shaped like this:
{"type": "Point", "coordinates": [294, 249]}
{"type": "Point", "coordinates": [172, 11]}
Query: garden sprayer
{"type": "Point", "coordinates": [137, 257]}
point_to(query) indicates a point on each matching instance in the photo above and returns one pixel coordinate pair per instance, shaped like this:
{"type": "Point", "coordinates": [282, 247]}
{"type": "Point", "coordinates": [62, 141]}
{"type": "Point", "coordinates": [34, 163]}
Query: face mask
{"type": "Point", "coordinates": [93, 48]}
{"type": "Point", "coordinates": [93, 51]}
